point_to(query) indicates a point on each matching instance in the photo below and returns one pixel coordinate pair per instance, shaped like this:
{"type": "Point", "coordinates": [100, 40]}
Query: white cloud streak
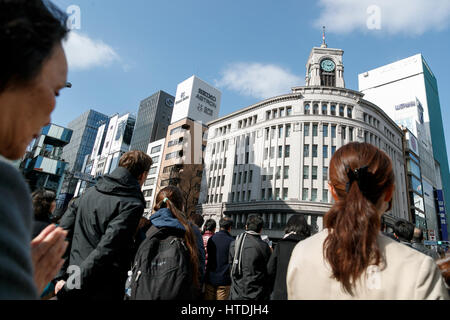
{"type": "Point", "coordinates": [85, 53]}
{"type": "Point", "coordinates": [258, 80]}
{"type": "Point", "coordinates": [409, 17]}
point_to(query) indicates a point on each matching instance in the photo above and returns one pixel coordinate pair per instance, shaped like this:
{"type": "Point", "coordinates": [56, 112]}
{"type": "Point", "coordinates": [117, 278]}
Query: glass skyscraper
{"type": "Point", "coordinates": [85, 129]}
{"type": "Point", "coordinates": [153, 120]}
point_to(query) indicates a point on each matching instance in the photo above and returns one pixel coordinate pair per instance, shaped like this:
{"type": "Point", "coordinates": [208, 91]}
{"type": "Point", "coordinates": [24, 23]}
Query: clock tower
{"type": "Point", "coordinates": [324, 67]}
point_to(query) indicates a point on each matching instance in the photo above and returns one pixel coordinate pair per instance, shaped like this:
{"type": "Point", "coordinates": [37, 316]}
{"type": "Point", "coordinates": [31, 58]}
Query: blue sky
{"type": "Point", "coordinates": [131, 49]}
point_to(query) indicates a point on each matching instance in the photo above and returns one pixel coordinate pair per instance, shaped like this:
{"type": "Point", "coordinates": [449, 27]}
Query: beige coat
{"type": "Point", "coordinates": [408, 274]}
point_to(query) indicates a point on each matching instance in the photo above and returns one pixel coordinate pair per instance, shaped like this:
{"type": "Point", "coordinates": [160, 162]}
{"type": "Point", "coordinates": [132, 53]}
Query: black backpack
{"type": "Point", "coordinates": [161, 268]}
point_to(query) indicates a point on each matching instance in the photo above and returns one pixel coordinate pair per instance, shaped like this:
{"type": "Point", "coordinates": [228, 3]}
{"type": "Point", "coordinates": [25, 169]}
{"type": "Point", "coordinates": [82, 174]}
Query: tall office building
{"type": "Point", "coordinates": [152, 121]}
{"type": "Point", "coordinates": [196, 104]}
{"type": "Point", "coordinates": [272, 158]}
{"type": "Point", "coordinates": [84, 129]}
{"type": "Point", "coordinates": [112, 141]}
{"type": "Point", "coordinates": [407, 91]}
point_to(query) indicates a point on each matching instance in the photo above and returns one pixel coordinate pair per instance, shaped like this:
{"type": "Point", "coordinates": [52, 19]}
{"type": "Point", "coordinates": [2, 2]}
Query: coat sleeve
{"type": "Point", "coordinates": [429, 283]}
{"type": "Point", "coordinates": [117, 241]}
{"type": "Point", "coordinates": [272, 267]}
{"type": "Point", "coordinates": [68, 224]}
{"type": "Point", "coordinates": [16, 269]}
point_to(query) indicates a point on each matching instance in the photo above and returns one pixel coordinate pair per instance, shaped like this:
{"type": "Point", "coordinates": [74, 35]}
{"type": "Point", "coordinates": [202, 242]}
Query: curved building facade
{"type": "Point", "coordinates": [272, 158]}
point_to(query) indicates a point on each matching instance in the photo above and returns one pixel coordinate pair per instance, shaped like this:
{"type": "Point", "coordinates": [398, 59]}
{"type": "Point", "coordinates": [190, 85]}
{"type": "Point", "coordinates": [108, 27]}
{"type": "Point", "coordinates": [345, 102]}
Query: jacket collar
{"type": "Point", "coordinates": [120, 182]}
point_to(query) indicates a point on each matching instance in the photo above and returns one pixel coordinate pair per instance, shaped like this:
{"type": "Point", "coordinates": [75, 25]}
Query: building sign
{"type": "Point", "coordinates": [413, 144]}
{"type": "Point", "coordinates": [197, 100]}
{"type": "Point", "coordinates": [405, 105]}
{"type": "Point", "coordinates": [442, 214]}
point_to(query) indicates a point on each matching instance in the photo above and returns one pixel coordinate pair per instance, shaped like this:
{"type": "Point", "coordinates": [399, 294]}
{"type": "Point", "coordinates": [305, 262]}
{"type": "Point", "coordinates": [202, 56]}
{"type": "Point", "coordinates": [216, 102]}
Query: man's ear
{"type": "Point", "coordinates": [333, 192]}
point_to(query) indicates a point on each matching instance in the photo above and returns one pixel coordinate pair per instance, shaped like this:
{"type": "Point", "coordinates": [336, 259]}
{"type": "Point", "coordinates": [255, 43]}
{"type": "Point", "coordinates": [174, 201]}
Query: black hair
{"type": "Point", "coordinates": [297, 223]}
{"type": "Point", "coordinates": [254, 223]}
{"type": "Point", "coordinates": [225, 223]}
{"type": "Point", "coordinates": [42, 202]}
{"type": "Point", "coordinates": [197, 219]}
{"type": "Point", "coordinates": [404, 230]}
{"type": "Point", "coordinates": [210, 225]}
{"type": "Point", "coordinates": [29, 30]}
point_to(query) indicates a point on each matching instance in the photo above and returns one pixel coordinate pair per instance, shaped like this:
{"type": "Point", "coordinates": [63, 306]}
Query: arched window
{"type": "Point", "coordinates": [316, 109]}
{"type": "Point", "coordinates": [307, 108]}
{"type": "Point", "coordinates": [333, 109]}
{"type": "Point", "coordinates": [324, 109]}
{"type": "Point", "coordinates": [349, 112]}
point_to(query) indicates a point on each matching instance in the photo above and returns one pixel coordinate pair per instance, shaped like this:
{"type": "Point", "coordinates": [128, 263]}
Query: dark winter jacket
{"type": "Point", "coordinates": [106, 221]}
{"type": "Point", "coordinates": [252, 283]}
{"type": "Point", "coordinates": [68, 223]}
{"type": "Point", "coordinates": [39, 224]}
{"type": "Point", "coordinates": [218, 267]}
{"type": "Point", "coordinates": [278, 265]}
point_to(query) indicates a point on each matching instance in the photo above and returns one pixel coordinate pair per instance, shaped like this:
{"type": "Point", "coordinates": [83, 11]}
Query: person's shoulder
{"type": "Point", "coordinates": [401, 252]}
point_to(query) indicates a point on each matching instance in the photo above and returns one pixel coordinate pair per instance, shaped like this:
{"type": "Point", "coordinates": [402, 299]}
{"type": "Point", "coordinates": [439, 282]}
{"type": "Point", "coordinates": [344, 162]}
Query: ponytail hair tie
{"type": "Point", "coordinates": [362, 176]}
{"type": "Point", "coordinates": [165, 200]}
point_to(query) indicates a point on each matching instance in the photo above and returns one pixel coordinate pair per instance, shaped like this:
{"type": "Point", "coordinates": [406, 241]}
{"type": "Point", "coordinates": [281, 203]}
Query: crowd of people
{"type": "Point", "coordinates": [102, 248]}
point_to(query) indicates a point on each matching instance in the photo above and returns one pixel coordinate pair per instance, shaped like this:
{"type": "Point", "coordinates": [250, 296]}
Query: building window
{"type": "Point", "coordinates": [306, 150]}
{"type": "Point", "coordinates": [270, 173]}
{"type": "Point", "coordinates": [305, 172]}
{"type": "Point", "coordinates": [245, 177]}
{"type": "Point", "coordinates": [280, 132]}
{"type": "Point", "coordinates": [306, 127]}
{"type": "Point", "coordinates": [316, 109]}
{"type": "Point", "coordinates": [267, 115]}
{"type": "Point", "coordinates": [288, 130]}
{"type": "Point", "coordinates": [333, 131]}
{"type": "Point", "coordinates": [350, 134]}
{"type": "Point", "coordinates": [277, 194]}
{"type": "Point", "coordinates": [267, 133]}
{"type": "Point", "coordinates": [314, 195]}
{"type": "Point", "coordinates": [333, 150]}
{"type": "Point", "coordinates": [250, 178]}
{"type": "Point", "coordinates": [286, 172]}
{"type": "Point", "coordinates": [314, 173]}
{"type": "Point", "coordinates": [287, 151]}
{"type": "Point", "coordinates": [349, 112]}
{"type": "Point", "coordinates": [282, 112]}
{"type": "Point", "coordinates": [155, 149]}
{"type": "Point", "coordinates": [314, 150]}
{"type": "Point", "coordinates": [285, 193]}
{"type": "Point", "coordinates": [223, 181]}
{"type": "Point", "coordinates": [333, 110]}
{"type": "Point", "coordinates": [325, 173]}
{"type": "Point", "coordinates": [325, 130]}
{"type": "Point", "coordinates": [266, 153]}
{"type": "Point", "coordinates": [324, 109]}
{"type": "Point", "coordinates": [325, 196]}
{"type": "Point", "coordinates": [344, 130]}
{"type": "Point", "coordinates": [305, 194]}
{"type": "Point", "coordinates": [325, 151]}
{"type": "Point", "coordinates": [272, 152]}
{"type": "Point", "coordinates": [240, 178]}
{"type": "Point", "coordinates": [307, 109]}
{"type": "Point", "coordinates": [341, 111]}
{"type": "Point", "coordinates": [234, 178]}
{"type": "Point", "coordinates": [269, 195]}
{"type": "Point", "coordinates": [278, 173]}
{"type": "Point", "coordinates": [289, 111]}
{"type": "Point", "coordinates": [280, 152]}
{"type": "Point", "coordinates": [155, 159]}
{"type": "Point", "coordinates": [263, 194]}
{"type": "Point", "coordinates": [315, 129]}
{"type": "Point", "coordinates": [249, 195]}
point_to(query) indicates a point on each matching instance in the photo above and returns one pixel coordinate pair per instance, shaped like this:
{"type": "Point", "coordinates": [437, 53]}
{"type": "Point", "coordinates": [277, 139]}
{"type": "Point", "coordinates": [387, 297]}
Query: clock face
{"type": "Point", "coordinates": [327, 65]}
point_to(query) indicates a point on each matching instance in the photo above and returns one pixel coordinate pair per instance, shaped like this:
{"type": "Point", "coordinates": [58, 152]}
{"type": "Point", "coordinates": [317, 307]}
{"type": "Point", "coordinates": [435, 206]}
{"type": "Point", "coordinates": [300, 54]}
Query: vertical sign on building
{"type": "Point", "coordinates": [442, 215]}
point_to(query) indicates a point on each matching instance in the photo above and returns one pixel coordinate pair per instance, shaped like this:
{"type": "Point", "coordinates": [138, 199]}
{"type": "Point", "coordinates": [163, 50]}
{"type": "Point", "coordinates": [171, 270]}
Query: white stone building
{"type": "Point", "coordinates": [272, 157]}
{"type": "Point", "coordinates": [155, 151]}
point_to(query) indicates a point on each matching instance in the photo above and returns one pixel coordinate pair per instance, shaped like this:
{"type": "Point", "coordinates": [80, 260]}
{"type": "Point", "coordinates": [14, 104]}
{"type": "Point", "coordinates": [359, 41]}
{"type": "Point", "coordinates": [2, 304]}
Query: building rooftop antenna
{"type": "Point", "coordinates": [324, 45]}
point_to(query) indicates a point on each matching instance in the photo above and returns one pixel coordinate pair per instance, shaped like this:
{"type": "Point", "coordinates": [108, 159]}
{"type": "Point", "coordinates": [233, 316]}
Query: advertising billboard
{"type": "Point", "coordinates": [197, 100]}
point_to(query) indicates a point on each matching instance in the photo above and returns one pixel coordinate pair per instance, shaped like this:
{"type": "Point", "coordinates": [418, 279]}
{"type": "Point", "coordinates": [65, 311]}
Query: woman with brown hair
{"type": "Point", "coordinates": [166, 265]}
{"type": "Point", "coordinates": [350, 258]}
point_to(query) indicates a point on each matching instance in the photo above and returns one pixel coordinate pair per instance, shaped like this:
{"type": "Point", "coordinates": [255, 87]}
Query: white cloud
{"type": "Point", "coordinates": [411, 17]}
{"type": "Point", "coordinates": [84, 53]}
{"type": "Point", "coordinates": [257, 80]}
